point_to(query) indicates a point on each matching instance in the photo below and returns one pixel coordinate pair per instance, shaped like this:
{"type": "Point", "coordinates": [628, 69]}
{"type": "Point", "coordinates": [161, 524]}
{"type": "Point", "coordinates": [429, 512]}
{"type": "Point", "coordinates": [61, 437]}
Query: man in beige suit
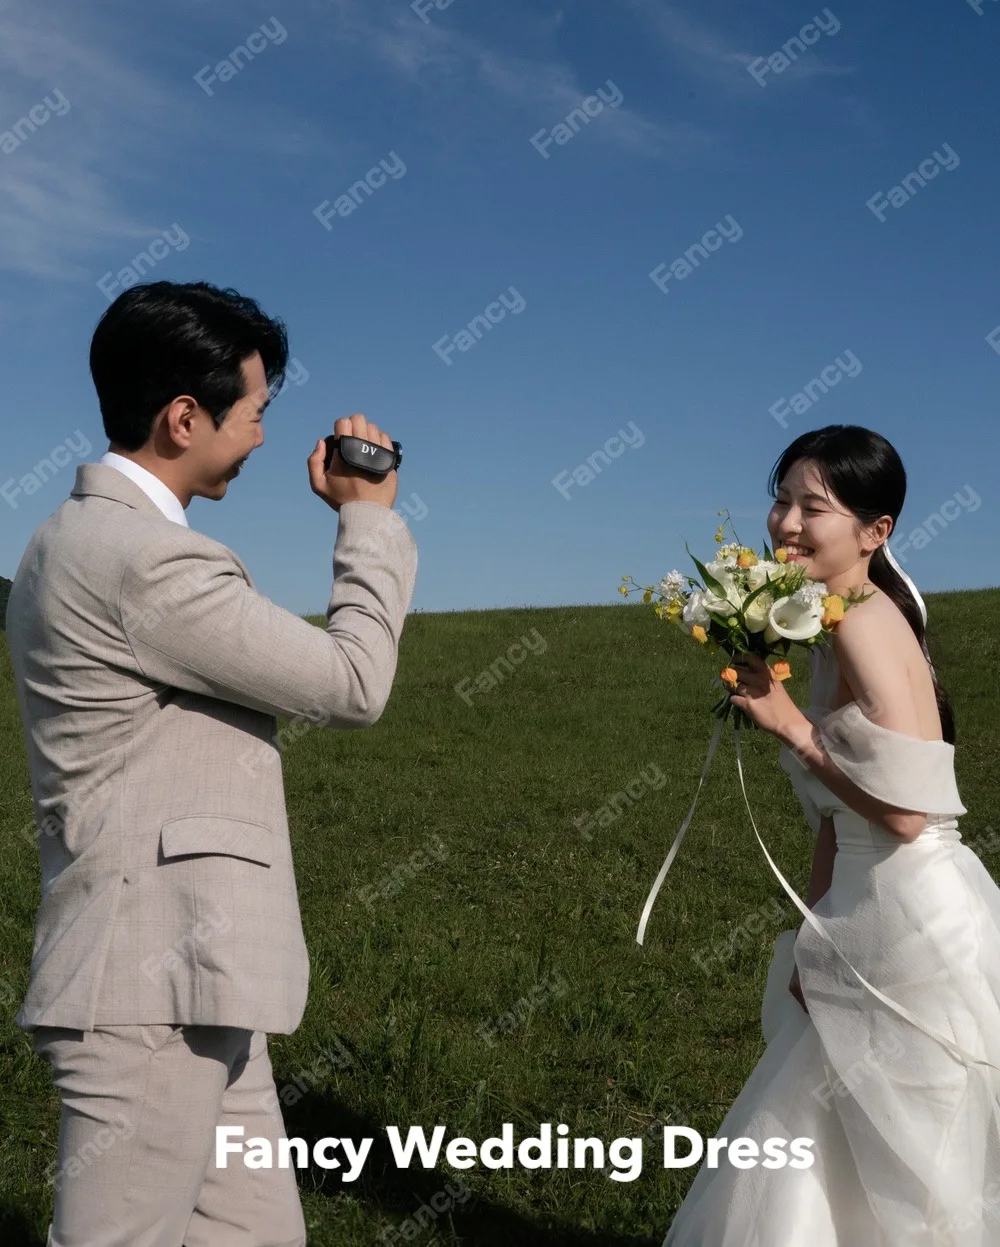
{"type": "Point", "coordinates": [149, 673]}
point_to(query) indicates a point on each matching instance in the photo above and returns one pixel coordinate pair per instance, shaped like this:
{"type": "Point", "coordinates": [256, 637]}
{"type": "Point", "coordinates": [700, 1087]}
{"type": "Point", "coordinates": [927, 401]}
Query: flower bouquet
{"type": "Point", "coordinates": [747, 603]}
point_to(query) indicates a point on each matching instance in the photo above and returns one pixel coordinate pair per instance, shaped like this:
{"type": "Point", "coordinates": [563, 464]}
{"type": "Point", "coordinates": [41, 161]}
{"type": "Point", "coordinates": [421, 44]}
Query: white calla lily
{"type": "Point", "coordinates": [796, 621]}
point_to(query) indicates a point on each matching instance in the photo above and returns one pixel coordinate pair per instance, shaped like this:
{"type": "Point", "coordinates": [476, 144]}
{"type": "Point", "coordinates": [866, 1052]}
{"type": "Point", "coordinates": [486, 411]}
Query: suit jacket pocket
{"type": "Point", "coordinates": [215, 834]}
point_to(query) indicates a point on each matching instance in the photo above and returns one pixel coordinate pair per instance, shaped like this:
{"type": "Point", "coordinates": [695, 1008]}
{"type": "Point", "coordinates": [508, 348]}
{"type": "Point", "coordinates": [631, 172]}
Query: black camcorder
{"type": "Point", "coordinates": [367, 456]}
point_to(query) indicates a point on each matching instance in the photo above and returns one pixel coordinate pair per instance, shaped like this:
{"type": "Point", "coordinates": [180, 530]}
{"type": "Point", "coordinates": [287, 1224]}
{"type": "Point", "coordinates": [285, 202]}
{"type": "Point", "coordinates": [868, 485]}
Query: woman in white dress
{"type": "Point", "coordinates": [882, 1015]}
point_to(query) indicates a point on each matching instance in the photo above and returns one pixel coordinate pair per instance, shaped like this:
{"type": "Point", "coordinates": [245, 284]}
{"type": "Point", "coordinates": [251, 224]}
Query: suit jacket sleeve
{"type": "Point", "coordinates": [193, 621]}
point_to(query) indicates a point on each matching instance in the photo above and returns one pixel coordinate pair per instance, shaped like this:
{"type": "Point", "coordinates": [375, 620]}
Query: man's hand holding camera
{"type": "Point", "coordinates": [344, 483]}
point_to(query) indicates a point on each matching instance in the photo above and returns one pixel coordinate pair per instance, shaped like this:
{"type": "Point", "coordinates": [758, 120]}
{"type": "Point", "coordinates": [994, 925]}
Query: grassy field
{"type": "Point", "coordinates": [472, 933]}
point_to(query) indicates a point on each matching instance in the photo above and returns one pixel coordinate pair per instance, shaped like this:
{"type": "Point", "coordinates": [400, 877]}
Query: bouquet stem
{"type": "Point", "coordinates": [724, 709]}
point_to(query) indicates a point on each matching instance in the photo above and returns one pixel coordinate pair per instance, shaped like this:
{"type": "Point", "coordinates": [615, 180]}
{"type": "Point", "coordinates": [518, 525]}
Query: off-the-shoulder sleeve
{"type": "Point", "coordinates": [902, 771]}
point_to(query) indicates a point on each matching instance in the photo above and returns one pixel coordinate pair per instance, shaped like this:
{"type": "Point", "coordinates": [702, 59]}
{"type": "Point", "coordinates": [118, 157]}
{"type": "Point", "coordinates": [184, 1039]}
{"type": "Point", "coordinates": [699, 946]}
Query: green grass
{"type": "Point", "coordinates": [517, 898]}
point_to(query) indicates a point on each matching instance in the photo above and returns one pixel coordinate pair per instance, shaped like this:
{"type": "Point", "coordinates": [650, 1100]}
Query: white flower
{"type": "Point", "coordinates": [725, 574]}
{"type": "Point", "coordinates": [672, 586]}
{"type": "Point", "coordinates": [811, 594]}
{"type": "Point", "coordinates": [796, 620]}
{"type": "Point", "coordinates": [696, 612]}
{"type": "Point", "coordinates": [758, 613]}
{"type": "Point", "coordinates": [757, 576]}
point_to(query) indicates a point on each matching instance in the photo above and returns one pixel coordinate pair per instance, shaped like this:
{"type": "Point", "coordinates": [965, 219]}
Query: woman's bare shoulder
{"type": "Point", "coordinates": [877, 622]}
{"type": "Point", "coordinates": [876, 650]}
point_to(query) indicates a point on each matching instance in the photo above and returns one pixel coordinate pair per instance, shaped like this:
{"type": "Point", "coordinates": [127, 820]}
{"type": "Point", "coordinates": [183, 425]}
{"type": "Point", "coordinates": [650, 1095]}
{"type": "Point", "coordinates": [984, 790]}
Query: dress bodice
{"type": "Point", "coordinates": [903, 771]}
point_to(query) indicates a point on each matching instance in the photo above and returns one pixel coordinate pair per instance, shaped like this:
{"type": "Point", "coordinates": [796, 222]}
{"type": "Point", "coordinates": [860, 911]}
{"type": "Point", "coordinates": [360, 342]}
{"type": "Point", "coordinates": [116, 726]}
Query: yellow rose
{"type": "Point", "coordinates": [747, 560]}
{"type": "Point", "coordinates": [699, 634]}
{"type": "Point", "coordinates": [781, 556]}
{"type": "Point", "coordinates": [782, 671]}
{"type": "Point", "coordinates": [834, 609]}
{"type": "Point", "coordinates": [730, 677]}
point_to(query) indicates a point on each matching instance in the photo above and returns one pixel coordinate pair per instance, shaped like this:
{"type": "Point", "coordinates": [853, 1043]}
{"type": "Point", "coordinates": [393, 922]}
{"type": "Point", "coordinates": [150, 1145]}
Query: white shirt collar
{"type": "Point", "coordinates": [151, 485]}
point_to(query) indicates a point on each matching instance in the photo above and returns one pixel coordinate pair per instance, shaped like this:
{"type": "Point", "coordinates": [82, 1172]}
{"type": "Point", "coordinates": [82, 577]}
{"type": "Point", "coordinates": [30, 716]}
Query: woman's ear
{"type": "Point", "coordinates": [877, 534]}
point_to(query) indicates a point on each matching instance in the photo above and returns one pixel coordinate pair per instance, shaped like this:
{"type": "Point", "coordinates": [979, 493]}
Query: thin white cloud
{"type": "Point", "coordinates": [706, 52]}
{"type": "Point", "coordinates": [439, 57]}
{"type": "Point", "coordinates": [67, 191]}
{"type": "Point", "coordinates": [58, 194]}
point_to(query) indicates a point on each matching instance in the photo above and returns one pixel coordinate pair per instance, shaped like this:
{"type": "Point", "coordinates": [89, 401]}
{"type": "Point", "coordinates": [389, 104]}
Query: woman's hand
{"type": "Point", "coordinates": [763, 699]}
{"type": "Point", "coordinates": [795, 987]}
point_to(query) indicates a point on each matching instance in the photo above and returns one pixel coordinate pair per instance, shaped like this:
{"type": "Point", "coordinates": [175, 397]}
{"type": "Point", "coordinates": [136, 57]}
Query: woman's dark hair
{"type": "Point", "coordinates": [866, 474]}
{"type": "Point", "coordinates": [163, 338]}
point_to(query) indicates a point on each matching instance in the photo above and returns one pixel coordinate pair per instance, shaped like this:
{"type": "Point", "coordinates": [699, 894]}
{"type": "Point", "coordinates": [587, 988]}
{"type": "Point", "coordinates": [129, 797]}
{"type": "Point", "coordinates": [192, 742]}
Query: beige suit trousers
{"type": "Point", "coordinates": [136, 1159]}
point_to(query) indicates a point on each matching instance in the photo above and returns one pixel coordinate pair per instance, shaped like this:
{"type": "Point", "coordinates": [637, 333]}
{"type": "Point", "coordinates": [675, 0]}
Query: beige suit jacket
{"type": "Point", "coordinates": [148, 673]}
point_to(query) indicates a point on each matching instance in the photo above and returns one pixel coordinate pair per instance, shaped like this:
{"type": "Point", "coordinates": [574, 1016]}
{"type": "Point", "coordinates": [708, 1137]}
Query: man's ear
{"type": "Point", "coordinates": [176, 421]}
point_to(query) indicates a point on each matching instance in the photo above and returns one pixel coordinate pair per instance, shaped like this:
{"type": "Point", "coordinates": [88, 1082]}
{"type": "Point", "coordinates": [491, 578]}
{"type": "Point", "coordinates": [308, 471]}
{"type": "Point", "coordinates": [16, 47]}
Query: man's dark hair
{"type": "Point", "coordinates": [163, 338]}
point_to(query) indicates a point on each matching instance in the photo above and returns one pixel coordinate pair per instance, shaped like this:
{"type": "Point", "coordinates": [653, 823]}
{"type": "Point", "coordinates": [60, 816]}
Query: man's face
{"type": "Point", "coordinates": [222, 450]}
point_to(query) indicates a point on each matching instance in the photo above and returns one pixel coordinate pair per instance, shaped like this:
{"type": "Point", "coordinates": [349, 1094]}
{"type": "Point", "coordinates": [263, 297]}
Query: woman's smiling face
{"type": "Point", "coordinates": [816, 528]}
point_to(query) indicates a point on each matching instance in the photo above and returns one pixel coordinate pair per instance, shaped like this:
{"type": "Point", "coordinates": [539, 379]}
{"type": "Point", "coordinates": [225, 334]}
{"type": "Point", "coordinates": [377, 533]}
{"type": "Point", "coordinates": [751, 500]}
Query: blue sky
{"type": "Point", "coordinates": [671, 388]}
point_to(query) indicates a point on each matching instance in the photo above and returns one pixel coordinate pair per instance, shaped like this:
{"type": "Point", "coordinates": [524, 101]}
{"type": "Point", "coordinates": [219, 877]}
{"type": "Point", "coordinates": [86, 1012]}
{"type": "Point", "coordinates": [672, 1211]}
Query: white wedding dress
{"type": "Point", "coordinates": [904, 1112]}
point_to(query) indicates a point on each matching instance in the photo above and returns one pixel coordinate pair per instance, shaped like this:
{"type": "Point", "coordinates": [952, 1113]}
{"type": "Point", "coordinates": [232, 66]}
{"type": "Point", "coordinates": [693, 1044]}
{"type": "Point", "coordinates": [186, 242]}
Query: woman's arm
{"type": "Point", "coordinates": [803, 738]}
{"type": "Point", "coordinates": [822, 864]}
{"type": "Point", "coordinates": [867, 645]}
{"type": "Point", "coordinates": [819, 885]}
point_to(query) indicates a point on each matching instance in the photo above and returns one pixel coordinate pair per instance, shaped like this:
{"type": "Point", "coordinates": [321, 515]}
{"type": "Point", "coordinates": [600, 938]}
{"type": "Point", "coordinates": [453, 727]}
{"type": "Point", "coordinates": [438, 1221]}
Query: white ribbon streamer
{"type": "Point", "coordinates": [647, 909]}
{"type": "Point", "coordinates": [917, 597]}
